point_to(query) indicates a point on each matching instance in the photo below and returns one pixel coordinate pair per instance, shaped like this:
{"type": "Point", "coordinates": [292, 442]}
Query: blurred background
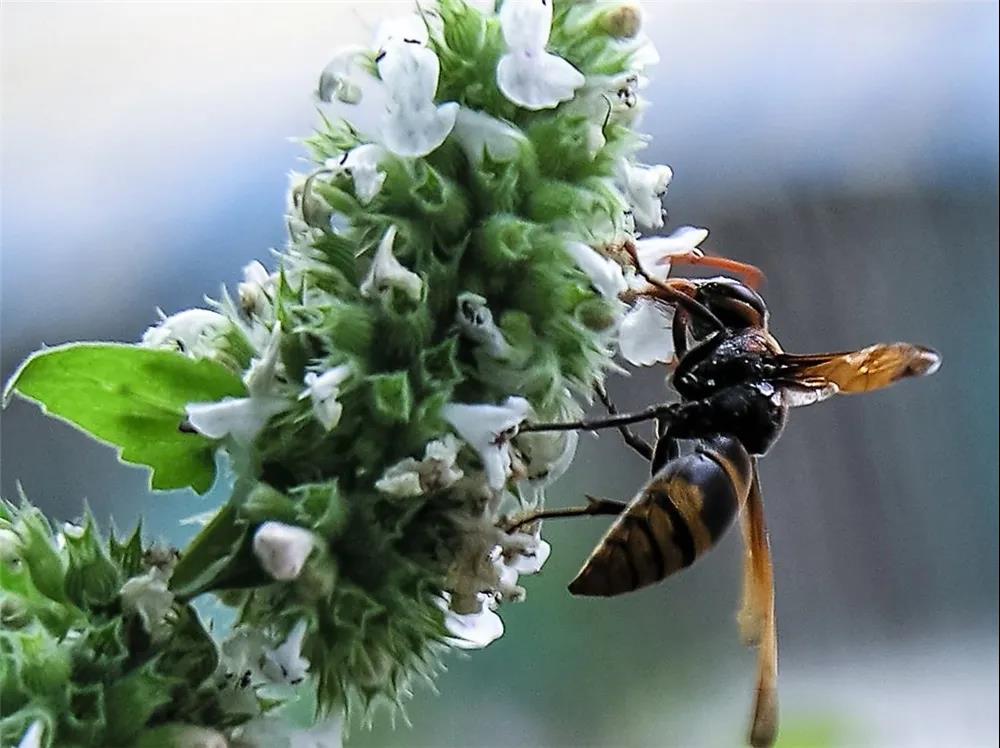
{"type": "Point", "coordinates": [848, 149]}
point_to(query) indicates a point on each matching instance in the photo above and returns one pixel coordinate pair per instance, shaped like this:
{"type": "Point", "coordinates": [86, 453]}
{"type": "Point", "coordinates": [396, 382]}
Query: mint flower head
{"type": "Point", "coordinates": [448, 275]}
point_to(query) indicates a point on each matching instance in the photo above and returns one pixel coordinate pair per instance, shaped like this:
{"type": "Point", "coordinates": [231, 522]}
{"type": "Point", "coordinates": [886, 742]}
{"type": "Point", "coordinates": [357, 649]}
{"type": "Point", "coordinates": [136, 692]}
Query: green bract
{"type": "Point", "coordinates": [446, 277]}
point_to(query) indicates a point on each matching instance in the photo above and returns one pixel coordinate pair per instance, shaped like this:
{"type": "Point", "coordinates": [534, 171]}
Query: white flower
{"type": "Point", "coordinates": [283, 549]}
{"type": "Point", "coordinates": [488, 429]}
{"type": "Point", "coordinates": [654, 253]}
{"type": "Point", "coordinates": [472, 630]}
{"type": "Point", "coordinates": [324, 391]}
{"type": "Point", "coordinates": [337, 81]}
{"type": "Point", "coordinates": [256, 289]}
{"type": "Point", "coordinates": [275, 732]}
{"type": "Point", "coordinates": [479, 133]}
{"type": "Point", "coordinates": [32, 737]}
{"type": "Point", "coordinates": [644, 188]}
{"type": "Point", "coordinates": [192, 332]}
{"type": "Point", "coordinates": [527, 552]}
{"type": "Point", "coordinates": [546, 455]}
{"type": "Point", "coordinates": [148, 596]}
{"type": "Point", "coordinates": [386, 272]}
{"type": "Point", "coordinates": [528, 75]}
{"type": "Point", "coordinates": [362, 164]}
{"type": "Point", "coordinates": [435, 472]}
{"type": "Point", "coordinates": [409, 29]}
{"type": "Point", "coordinates": [644, 336]}
{"type": "Point", "coordinates": [243, 418]}
{"type": "Point", "coordinates": [286, 663]}
{"type": "Point", "coordinates": [605, 274]}
{"type": "Point", "coordinates": [475, 321]}
{"type": "Point", "coordinates": [413, 126]}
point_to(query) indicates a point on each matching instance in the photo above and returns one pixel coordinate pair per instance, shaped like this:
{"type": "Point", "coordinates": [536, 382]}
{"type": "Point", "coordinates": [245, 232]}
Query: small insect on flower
{"type": "Point", "coordinates": [732, 420]}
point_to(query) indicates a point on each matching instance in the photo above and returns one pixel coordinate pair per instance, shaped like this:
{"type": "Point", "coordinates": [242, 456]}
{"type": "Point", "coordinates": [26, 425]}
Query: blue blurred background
{"type": "Point", "coordinates": [850, 149]}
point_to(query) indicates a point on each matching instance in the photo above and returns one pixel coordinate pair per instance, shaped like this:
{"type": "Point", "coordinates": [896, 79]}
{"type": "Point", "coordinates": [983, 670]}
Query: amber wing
{"type": "Point", "coordinates": [854, 372]}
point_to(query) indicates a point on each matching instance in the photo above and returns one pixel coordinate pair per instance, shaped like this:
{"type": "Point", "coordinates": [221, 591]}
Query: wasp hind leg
{"type": "Point", "coordinates": [756, 617]}
{"type": "Point", "coordinates": [595, 507]}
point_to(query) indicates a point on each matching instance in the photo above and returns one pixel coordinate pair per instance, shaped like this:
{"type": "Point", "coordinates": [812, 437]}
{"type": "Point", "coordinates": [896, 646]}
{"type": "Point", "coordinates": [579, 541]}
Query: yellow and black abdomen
{"type": "Point", "coordinates": [678, 516]}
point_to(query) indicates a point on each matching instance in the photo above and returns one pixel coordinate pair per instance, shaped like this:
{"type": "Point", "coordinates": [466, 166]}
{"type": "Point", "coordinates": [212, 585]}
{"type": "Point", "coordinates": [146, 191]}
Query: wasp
{"type": "Point", "coordinates": [736, 386]}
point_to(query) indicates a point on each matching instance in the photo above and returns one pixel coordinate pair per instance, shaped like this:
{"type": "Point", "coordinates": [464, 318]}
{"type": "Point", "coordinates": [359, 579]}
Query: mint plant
{"type": "Point", "coordinates": [447, 276]}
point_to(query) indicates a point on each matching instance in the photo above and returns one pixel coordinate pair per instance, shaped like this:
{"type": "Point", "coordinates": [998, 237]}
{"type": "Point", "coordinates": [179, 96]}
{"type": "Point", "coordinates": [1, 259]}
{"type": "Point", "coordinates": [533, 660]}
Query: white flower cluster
{"type": "Point", "coordinates": [485, 575]}
{"type": "Point", "coordinates": [148, 596]}
{"type": "Point", "coordinates": [249, 660]}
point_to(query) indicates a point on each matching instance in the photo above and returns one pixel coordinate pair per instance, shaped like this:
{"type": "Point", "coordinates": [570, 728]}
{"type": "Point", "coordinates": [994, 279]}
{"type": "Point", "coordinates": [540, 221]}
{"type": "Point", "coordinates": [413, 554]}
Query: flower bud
{"type": "Point", "coordinates": [623, 22]}
{"type": "Point", "coordinates": [282, 549]}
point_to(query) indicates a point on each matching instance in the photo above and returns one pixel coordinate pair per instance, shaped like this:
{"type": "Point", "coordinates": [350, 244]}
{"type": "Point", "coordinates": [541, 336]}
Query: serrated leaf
{"type": "Point", "coordinates": [132, 398]}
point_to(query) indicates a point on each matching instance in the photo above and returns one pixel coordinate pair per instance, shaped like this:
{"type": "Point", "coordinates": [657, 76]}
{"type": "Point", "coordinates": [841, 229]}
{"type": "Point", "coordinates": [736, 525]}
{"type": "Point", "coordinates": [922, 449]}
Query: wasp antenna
{"type": "Point", "coordinates": [752, 275]}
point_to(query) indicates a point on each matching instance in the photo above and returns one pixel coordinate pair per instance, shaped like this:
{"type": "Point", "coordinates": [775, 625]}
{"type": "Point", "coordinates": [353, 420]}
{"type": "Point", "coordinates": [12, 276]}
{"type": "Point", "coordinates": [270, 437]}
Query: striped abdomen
{"type": "Point", "coordinates": [678, 516]}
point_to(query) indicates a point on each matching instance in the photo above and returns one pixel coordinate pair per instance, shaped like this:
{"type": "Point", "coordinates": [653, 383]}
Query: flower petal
{"type": "Point", "coordinates": [147, 595]}
{"type": "Point", "coordinates": [487, 429]}
{"type": "Point", "coordinates": [260, 378]}
{"type": "Point", "coordinates": [410, 73]}
{"type": "Point", "coordinates": [324, 391]}
{"type": "Point", "coordinates": [32, 737]}
{"type": "Point", "coordinates": [537, 80]}
{"type": "Point", "coordinates": [416, 132]}
{"type": "Point", "coordinates": [401, 479]}
{"type": "Point", "coordinates": [654, 252]}
{"type": "Point", "coordinates": [475, 321]}
{"type": "Point", "coordinates": [241, 418]}
{"type": "Point", "coordinates": [362, 163]}
{"type": "Point", "coordinates": [336, 80]}
{"type": "Point", "coordinates": [256, 289]}
{"type": "Point", "coordinates": [644, 335]}
{"type": "Point", "coordinates": [605, 274]}
{"type": "Point", "coordinates": [413, 126]}
{"type": "Point", "coordinates": [286, 663]}
{"type": "Point", "coordinates": [532, 560]}
{"type": "Point", "coordinates": [192, 332]}
{"type": "Point", "coordinates": [644, 188]}
{"type": "Point", "coordinates": [408, 29]}
{"type": "Point", "coordinates": [546, 454]}
{"type": "Point", "coordinates": [387, 272]}
{"type": "Point", "coordinates": [526, 24]}
{"type": "Point", "coordinates": [479, 133]}
{"type": "Point", "coordinates": [473, 630]}
{"type": "Point", "coordinates": [282, 549]}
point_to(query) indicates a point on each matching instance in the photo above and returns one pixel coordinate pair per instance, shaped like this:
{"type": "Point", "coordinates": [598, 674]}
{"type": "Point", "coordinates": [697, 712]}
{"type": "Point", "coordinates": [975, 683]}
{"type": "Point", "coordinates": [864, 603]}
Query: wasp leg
{"type": "Point", "coordinates": [594, 508]}
{"type": "Point", "coordinates": [667, 448]}
{"type": "Point", "coordinates": [678, 331]}
{"type": "Point", "coordinates": [663, 410]}
{"type": "Point", "coordinates": [633, 440]}
{"type": "Point", "coordinates": [756, 618]}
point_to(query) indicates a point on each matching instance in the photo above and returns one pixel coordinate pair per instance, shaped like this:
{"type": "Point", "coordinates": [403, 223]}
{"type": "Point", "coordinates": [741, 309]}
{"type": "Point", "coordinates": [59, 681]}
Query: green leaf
{"type": "Point", "coordinates": [132, 398]}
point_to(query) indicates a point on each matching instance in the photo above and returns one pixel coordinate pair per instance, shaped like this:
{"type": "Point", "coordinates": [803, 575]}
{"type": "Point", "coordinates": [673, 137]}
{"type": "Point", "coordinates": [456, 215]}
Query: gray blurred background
{"type": "Point", "coordinates": [848, 149]}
